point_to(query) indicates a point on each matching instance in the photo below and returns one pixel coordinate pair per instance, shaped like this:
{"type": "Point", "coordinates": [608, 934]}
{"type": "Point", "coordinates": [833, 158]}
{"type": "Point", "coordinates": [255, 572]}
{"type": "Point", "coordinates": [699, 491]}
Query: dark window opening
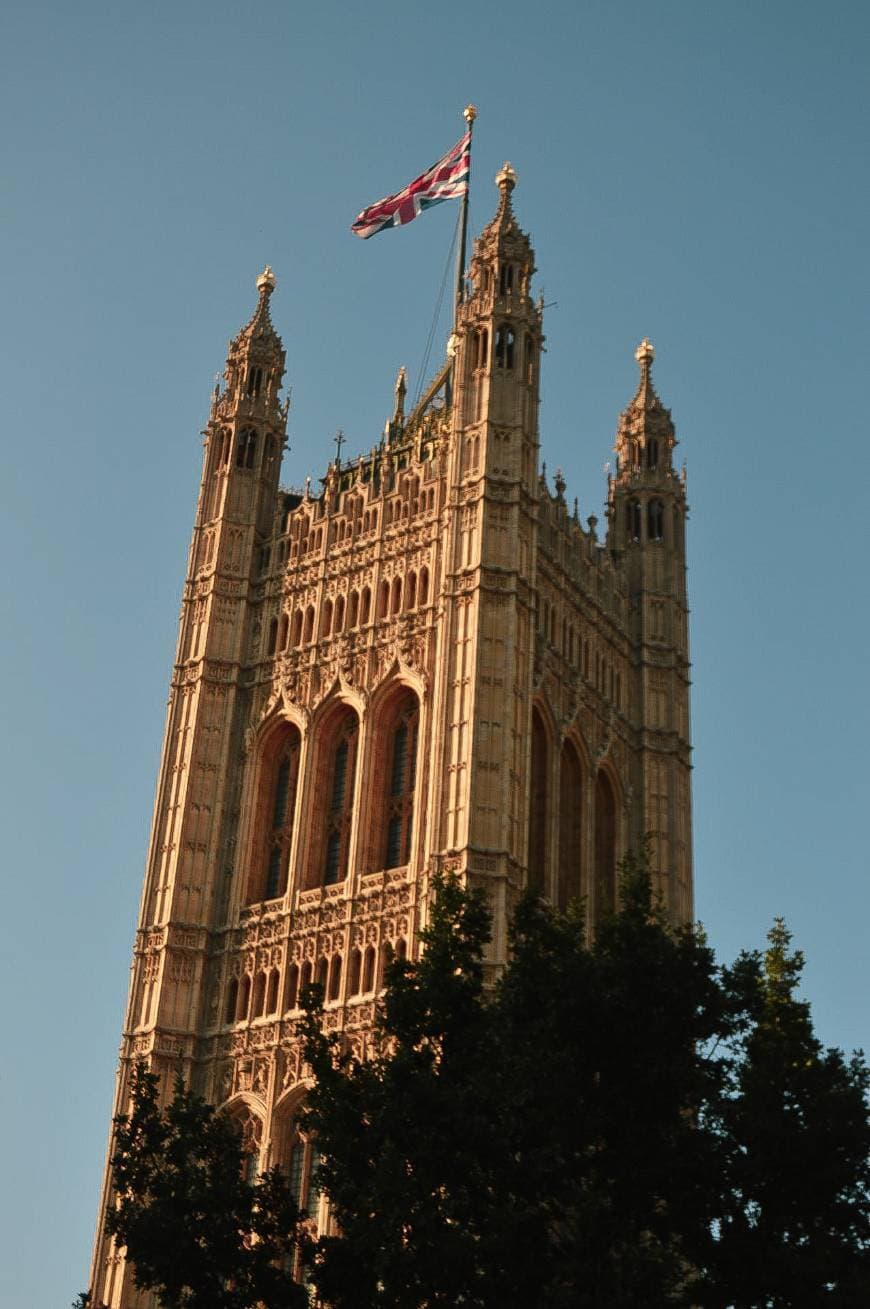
{"type": "Point", "coordinates": [399, 810]}
{"type": "Point", "coordinates": [504, 348]}
{"type": "Point", "coordinates": [340, 811]}
{"type": "Point", "coordinates": [246, 449]}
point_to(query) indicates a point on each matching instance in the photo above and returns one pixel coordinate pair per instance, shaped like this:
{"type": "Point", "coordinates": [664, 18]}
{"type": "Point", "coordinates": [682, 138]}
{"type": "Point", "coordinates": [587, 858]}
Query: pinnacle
{"type": "Point", "coordinates": [260, 325]}
{"type": "Point", "coordinates": [646, 393]}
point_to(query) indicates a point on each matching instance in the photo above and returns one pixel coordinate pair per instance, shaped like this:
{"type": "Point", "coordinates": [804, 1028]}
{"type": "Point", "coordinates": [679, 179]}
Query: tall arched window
{"type": "Point", "coordinates": [538, 803]}
{"type": "Point", "coordinates": [296, 632]}
{"type": "Point", "coordinates": [393, 846]}
{"type": "Point", "coordinates": [250, 1128]}
{"type": "Point", "coordinates": [275, 817]}
{"type": "Point", "coordinates": [632, 520]}
{"type": "Point", "coordinates": [655, 520]}
{"type": "Point", "coordinates": [605, 846]}
{"type": "Point", "coordinates": [652, 453]}
{"type": "Point", "coordinates": [339, 776]}
{"type": "Point", "coordinates": [365, 604]}
{"type": "Point", "coordinates": [298, 1160]}
{"type": "Point", "coordinates": [423, 588]}
{"type": "Point", "coordinates": [504, 348]}
{"type": "Point", "coordinates": [246, 449]}
{"type": "Point", "coordinates": [569, 885]}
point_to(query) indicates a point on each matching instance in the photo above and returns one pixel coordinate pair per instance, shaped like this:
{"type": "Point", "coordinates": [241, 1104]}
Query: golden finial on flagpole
{"type": "Point", "coordinates": [469, 113]}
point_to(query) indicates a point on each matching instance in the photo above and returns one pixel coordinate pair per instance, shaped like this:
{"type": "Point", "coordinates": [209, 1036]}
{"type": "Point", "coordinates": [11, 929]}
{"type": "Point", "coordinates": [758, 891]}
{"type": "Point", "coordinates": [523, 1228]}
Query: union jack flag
{"type": "Point", "coordinates": [446, 180]}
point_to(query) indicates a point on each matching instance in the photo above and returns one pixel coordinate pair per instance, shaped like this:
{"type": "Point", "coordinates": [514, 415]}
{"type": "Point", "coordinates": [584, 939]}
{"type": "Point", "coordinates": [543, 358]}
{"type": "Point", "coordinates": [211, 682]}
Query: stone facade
{"type": "Point", "coordinates": [429, 665]}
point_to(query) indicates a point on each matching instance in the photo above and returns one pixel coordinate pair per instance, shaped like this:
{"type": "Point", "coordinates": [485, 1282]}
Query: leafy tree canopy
{"type": "Point", "coordinates": [618, 1121]}
{"type": "Point", "coordinates": [198, 1234]}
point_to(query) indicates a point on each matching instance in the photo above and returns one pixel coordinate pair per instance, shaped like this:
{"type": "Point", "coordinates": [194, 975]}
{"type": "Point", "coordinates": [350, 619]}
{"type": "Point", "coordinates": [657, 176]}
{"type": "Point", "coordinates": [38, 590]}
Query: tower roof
{"type": "Point", "coordinates": [646, 414]}
{"type": "Point", "coordinates": [503, 236]}
{"type": "Point", "coordinates": [259, 329]}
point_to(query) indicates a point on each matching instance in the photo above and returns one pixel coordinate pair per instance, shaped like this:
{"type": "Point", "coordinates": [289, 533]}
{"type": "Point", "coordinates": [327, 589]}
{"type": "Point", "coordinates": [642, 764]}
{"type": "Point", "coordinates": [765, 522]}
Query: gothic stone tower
{"type": "Point", "coordinates": [428, 666]}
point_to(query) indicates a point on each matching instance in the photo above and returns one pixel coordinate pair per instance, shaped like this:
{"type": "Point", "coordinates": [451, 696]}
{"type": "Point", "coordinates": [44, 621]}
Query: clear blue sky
{"type": "Point", "coordinates": [695, 172]}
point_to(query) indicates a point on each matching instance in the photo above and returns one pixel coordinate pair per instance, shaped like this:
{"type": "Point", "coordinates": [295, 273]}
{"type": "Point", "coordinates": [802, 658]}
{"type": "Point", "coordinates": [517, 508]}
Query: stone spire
{"type": "Point", "coordinates": [255, 360]}
{"type": "Point", "coordinates": [645, 418]}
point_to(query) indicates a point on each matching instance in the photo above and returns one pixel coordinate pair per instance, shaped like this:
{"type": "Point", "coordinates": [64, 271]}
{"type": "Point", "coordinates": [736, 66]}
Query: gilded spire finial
{"type": "Point", "coordinates": [469, 113]}
{"type": "Point", "coordinates": [506, 178]}
{"type": "Point", "coordinates": [645, 354]}
{"type": "Point", "coordinates": [267, 281]}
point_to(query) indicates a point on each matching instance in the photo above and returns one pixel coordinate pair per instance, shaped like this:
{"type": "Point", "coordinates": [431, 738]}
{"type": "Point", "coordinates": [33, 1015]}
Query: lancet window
{"type": "Point", "coordinates": [504, 348]}
{"type": "Point", "coordinates": [299, 1161]}
{"type": "Point", "coordinates": [632, 520]}
{"type": "Point", "coordinates": [538, 803]}
{"type": "Point", "coordinates": [605, 846]}
{"type": "Point", "coordinates": [340, 776]}
{"type": "Point", "coordinates": [250, 1128]}
{"type": "Point", "coordinates": [397, 822]}
{"type": "Point", "coordinates": [655, 520]}
{"type": "Point", "coordinates": [569, 883]}
{"type": "Point", "coordinates": [278, 805]}
{"type": "Point", "coordinates": [246, 449]}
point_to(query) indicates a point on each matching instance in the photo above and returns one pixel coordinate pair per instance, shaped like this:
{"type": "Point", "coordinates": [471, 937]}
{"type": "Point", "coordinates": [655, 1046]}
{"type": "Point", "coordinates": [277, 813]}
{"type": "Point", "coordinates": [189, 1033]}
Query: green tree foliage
{"type": "Point", "coordinates": [615, 1124]}
{"type": "Point", "coordinates": [795, 1225]}
{"type": "Point", "coordinates": [197, 1233]}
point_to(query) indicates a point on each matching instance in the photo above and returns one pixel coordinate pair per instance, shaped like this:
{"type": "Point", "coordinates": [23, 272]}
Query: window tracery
{"type": "Point", "coordinates": [276, 816]}
{"type": "Point", "coordinates": [397, 821]}
{"type": "Point", "coordinates": [340, 777]}
{"type": "Point", "coordinates": [605, 846]}
{"type": "Point", "coordinates": [569, 882]}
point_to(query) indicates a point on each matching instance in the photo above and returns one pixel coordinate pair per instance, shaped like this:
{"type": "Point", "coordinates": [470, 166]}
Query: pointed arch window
{"type": "Point", "coordinates": [506, 279]}
{"type": "Point", "coordinates": [397, 827]}
{"type": "Point", "coordinates": [341, 773]}
{"type": "Point", "coordinates": [632, 520]}
{"type": "Point", "coordinates": [255, 382]}
{"type": "Point", "coordinates": [538, 803]}
{"type": "Point", "coordinates": [655, 520]}
{"type": "Point", "coordinates": [250, 1128]}
{"type": "Point", "coordinates": [652, 453]}
{"type": "Point", "coordinates": [504, 348]}
{"type": "Point", "coordinates": [281, 780]}
{"type": "Point", "coordinates": [605, 846]}
{"type": "Point", "coordinates": [569, 884]}
{"type": "Point", "coordinates": [299, 1161]}
{"type": "Point", "coordinates": [246, 449]}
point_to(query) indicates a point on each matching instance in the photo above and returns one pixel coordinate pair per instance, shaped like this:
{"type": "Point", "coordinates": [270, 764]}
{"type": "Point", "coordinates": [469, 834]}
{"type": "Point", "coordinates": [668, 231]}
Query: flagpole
{"type": "Point", "coordinates": [469, 113]}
